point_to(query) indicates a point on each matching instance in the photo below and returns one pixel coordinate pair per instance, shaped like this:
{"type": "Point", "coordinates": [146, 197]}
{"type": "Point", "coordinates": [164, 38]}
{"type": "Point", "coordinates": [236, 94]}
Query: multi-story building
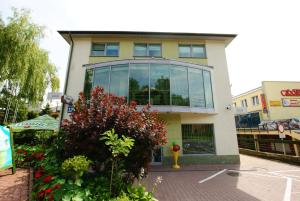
{"type": "Point", "coordinates": [273, 100]}
{"type": "Point", "coordinates": [184, 76]}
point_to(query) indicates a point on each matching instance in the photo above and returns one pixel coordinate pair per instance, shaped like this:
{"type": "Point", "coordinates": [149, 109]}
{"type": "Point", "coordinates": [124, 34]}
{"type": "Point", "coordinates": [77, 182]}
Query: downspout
{"type": "Point", "coordinates": [67, 79]}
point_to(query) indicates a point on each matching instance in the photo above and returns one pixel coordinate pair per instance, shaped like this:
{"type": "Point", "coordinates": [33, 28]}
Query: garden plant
{"type": "Point", "coordinates": [101, 150]}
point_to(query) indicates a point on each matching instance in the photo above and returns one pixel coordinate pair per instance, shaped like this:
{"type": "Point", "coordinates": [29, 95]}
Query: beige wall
{"type": "Point", "coordinates": [81, 52]}
{"type": "Point", "coordinates": [248, 97]}
{"type": "Point", "coordinates": [223, 120]}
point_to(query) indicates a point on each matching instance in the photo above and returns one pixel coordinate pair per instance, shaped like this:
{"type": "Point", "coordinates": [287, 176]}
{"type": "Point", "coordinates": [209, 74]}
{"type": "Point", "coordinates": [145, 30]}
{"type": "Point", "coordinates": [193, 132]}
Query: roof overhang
{"type": "Point", "coordinates": [227, 38]}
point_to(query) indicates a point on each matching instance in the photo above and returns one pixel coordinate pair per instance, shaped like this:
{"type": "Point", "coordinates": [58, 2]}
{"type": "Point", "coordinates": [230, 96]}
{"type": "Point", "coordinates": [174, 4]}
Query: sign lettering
{"type": "Point", "coordinates": [290, 92]}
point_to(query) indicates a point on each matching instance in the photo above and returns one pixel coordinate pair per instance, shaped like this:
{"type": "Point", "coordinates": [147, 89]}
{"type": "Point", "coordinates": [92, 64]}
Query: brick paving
{"type": "Point", "coordinates": [254, 179]}
{"type": "Point", "coordinates": [14, 187]}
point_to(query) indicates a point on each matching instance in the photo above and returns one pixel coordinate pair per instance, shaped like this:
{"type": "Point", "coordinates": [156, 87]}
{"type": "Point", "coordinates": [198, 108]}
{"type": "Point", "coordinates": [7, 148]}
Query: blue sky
{"type": "Point", "coordinates": [266, 48]}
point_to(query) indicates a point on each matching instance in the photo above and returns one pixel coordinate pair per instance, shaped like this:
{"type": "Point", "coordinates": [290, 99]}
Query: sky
{"type": "Point", "coordinates": [266, 48]}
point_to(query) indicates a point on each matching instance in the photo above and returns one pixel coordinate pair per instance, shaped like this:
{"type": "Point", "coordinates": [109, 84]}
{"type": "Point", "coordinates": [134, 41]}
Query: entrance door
{"type": "Point", "coordinates": [157, 156]}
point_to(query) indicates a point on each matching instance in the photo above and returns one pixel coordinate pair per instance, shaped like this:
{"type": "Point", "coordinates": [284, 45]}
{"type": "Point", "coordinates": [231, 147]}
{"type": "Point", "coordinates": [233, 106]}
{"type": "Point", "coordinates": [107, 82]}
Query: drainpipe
{"type": "Point", "coordinates": [67, 79]}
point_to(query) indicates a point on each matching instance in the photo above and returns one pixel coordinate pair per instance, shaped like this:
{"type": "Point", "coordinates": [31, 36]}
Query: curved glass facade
{"type": "Point", "coordinates": [155, 83]}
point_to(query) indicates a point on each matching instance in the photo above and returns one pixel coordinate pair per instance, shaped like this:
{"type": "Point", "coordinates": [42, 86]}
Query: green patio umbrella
{"type": "Point", "coordinates": [44, 122]}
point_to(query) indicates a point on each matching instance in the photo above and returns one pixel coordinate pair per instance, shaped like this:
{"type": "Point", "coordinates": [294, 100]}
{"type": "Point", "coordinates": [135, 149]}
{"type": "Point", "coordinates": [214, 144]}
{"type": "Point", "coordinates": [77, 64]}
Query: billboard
{"type": "Point", "coordinates": [291, 102]}
{"type": "Point", "coordinates": [5, 148]}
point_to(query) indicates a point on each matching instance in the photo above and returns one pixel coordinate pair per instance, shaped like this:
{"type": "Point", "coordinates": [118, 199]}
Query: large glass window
{"type": "Point", "coordinates": [101, 78]}
{"type": "Point", "coordinates": [208, 89]}
{"type": "Point", "coordinates": [193, 51]}
{"type": "Point", "coordinates": [197, 98]}
{"type": "Point", "coordinates": [179, 86]}
{"type": "Point", "coordinates": [139, 83]}
{"type": "Point", "coordinates": [105, 49]}
{"type": "Point", "coordinates": [147, 50]}
{"type": "Point", "coordinates": [160, 84]}
{"type": "Point", "coordinates": [198, 139]}
{"type": "Point", "coordinates": [119, 80]}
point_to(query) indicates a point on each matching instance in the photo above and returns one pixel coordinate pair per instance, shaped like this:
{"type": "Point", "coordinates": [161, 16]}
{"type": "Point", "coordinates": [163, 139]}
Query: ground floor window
{"type": "Point", "coordinates": [198, 139]}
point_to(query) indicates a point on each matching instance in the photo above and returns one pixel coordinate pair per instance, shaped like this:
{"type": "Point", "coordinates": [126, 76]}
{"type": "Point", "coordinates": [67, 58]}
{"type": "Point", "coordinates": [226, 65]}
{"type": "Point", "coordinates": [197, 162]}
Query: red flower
{"type": "Point", "coordinates": [37, 174]}
{"type": "Point", "coordinates": [25, 152]}
{"type": "Point", "coordinates": [57, 186]}
{"type": "Point", "coordinates": [47, 178]}
{"type": "Point", "coordinates": [51, 198]}
{"type": "Point", "coordinates": [48, 190]}
{"type": "Point", "coordinates": [41, 194]}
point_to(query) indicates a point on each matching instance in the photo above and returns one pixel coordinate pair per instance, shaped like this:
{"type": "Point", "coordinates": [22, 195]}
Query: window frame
{"type": "Point", "coordinates": [255, 100]}
{"type": "Point", "coordinates": [244, 103]}
{"type": "Point", "coordinates": [147, 49]}
{"type": "Point", "coordinates": [214, 139]}
{"type": "Point", "coordinates": [191, 51]}
{"type": "Point", "coordinates": [105, 49]}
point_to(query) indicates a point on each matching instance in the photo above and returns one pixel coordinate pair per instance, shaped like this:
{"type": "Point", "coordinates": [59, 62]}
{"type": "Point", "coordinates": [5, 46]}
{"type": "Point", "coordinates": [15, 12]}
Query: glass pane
{"type": "Point", "coordinates": [160, 84]}
{"type": "Point", "coordinates": [88, 83]}
{"type": "Point", "coordinates": [197, 98]}
{"type": "Point", "coordinates": [198, 51]}
{"type": "Point", "coordinates": [112, 49]}
{"type": "Point", "coordinates": [154, 50]}
{"type": "Point", "coordinates": [185, 51]}
{"type": "Point", "coordinates": [119, 80]}
{"type": "Point", "coordinates": [101, 78]}
{"type": "Point", "coordinates": [208, 89]}
{"type": "Point", "coordinates": [198, 139]}
{"type": "Point", "coordinates": [140, 50]}
{"type": "Point", "coordinates": [98, 49]}
{"type": "Point", "coordinates": [179, 86]}
{"type": "Point", "coordinates": [139, 83]}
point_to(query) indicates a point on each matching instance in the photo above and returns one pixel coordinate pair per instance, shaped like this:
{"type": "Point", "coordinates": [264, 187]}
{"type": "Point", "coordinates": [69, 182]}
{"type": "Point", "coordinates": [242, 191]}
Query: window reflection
{"type": "Point", "coordinates": [179, 86]}
{"type": "Point", "coordinates": [197, 98]}
{"type": "Point", "coordinates": [169, 84]}
{"type": "Point", "coordinates": [160, 84]}
{"type": "Point", "coordinates": [101, 78]}
{"type": "Point", "coordinates": [119, 80]}
{"type": "Point", "coordinates": [208, 89]}
{"type": "Point", "coordinates": [139, 83]}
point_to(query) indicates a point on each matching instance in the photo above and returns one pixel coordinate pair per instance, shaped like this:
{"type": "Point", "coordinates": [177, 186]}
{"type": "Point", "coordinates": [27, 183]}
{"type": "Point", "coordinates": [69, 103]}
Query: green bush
{"type": "Point", "coordinates": [75, 167]}
{"type": "Point", "coordinates": [33, 137]}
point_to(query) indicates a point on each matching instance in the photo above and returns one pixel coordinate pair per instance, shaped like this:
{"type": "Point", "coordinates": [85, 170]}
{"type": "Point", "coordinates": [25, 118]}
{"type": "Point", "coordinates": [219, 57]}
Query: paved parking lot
{"type": "Point", "coordinates": [254, 179]}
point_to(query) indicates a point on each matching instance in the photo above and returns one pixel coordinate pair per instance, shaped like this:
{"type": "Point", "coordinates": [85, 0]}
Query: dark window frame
{"type": "Point", "coordinates": [105, 49]}
{"type": "Point", "coordinates": [191, 51]}
{"type": "Point", "coordinates": [147, 49]}
{"type": "Point", "coordinates": [213, 139]}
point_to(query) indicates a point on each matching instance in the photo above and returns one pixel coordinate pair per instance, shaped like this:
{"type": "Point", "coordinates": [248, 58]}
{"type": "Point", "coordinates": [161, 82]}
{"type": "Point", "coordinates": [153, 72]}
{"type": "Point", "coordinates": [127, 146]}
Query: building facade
{"type": "Point", "coordinates": [183, 76]}
{"type": "Point", "coordinates": [273, 100]}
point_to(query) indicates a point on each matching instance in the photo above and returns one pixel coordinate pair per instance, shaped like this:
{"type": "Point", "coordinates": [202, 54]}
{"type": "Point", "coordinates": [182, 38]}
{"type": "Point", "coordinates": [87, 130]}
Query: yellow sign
{"type": "Point", "coordinates": [275, 103]}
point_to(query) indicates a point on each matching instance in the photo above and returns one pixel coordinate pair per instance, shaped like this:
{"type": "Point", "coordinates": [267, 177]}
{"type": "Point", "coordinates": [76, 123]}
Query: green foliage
{"type": "Point", "coordinates": [75, 167]}
{"type": "Point", "coordinates": [32, 115]}
{"type": "Point", "coordinates": [34, 137]}
{"type": "Point", "coordinates": [25, 155]}
{"type": "Point", "coordinates": [46, 110]}
{"type": "Point", "coordinates": [25, 70]}
{"type": "Point", "coordinates": [117, 146]}
{"type": "Point", "coordinates": [139, 193]}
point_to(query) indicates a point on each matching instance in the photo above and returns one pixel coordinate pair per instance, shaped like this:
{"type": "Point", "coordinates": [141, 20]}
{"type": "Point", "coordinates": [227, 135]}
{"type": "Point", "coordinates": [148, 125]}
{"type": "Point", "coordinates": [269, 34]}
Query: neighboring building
{"type": "Point", "coordinates": [274, 100]}
{"type": "Point", "coordinates": [182, 75]}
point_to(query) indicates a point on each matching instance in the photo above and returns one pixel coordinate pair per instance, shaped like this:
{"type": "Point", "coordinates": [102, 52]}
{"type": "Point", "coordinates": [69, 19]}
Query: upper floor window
{"type": "Point", "coordinates": [234, 104]}
{"type": "Point", "coordinates": [105, 49]}
{"type": "Point", "coordinates": [192, 51]}
{"type": "Point", "coordinates": [147, 50]}
{"type": "Point", "coordinates": [244, 103]}
{"type": "Point", "coordinates": [255, 100]}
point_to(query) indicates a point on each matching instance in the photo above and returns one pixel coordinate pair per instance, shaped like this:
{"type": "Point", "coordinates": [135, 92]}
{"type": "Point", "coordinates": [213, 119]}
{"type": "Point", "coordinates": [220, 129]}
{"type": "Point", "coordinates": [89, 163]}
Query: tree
{"type": "Point", "coordinates": [106, 112]}
{"type": "Point", "coordinates": [25, 70]}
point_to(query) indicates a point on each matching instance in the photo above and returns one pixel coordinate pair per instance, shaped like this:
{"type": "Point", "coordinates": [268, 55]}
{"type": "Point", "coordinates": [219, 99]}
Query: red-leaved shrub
{"type": "Point", "coordinates": [103, 112]}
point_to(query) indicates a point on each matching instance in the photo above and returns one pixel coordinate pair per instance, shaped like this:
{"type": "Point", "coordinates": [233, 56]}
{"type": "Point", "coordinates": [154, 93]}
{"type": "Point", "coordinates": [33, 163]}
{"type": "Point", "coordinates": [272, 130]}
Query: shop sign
{"type": "Point", "coordinates": [275, 103]}
{"type": "Point", "coordinates": [263, 103]}
{"type": "Point", "coordinates": [289, 102]}
{"type": "Point", "coordinates": [290, 92]}
{"type": "Point", "coordinates": [6, 160]}
{"type": "Point", "coordinates": [70, 108]}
